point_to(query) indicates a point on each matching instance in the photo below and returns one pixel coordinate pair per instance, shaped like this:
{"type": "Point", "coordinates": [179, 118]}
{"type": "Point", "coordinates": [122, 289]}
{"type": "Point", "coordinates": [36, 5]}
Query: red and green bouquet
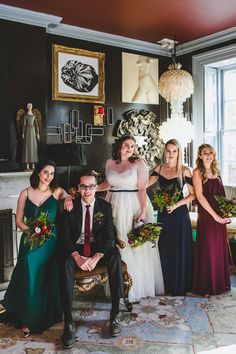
{"type": "Point", "coordinates": [166, 196]}
{"type": "Point", "coordinates": [145, 233]}
{"type": "Point", "coordinates": [39, 231]}
{"type": "Point", "coordinates": [227, 207]}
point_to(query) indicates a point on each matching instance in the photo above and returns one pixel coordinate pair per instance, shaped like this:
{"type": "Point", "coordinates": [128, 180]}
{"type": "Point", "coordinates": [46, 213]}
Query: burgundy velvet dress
{"type": "Point", "coordinates": [211, 266]}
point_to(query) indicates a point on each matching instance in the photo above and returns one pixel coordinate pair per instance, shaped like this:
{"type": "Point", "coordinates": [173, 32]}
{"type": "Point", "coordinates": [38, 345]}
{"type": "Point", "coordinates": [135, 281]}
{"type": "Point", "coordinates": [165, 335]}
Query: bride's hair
{"type": "Point", "coordinates": [116, 148]}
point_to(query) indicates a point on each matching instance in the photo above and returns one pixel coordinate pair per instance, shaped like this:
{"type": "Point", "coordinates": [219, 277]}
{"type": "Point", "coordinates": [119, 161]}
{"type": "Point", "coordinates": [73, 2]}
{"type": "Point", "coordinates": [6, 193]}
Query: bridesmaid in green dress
{"type": "Point", "coordinates": [32, 300]}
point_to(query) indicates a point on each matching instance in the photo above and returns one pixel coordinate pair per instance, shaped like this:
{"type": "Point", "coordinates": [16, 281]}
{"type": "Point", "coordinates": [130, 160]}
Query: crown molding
{"type": "Point", "coordinates": [107, 39]}
{"type": "Point", "coordinates": [53, 26]}
{"type": "Point", "coordinates": [207, 41]}
{"type": "Point", "coordinates": [11, 13]}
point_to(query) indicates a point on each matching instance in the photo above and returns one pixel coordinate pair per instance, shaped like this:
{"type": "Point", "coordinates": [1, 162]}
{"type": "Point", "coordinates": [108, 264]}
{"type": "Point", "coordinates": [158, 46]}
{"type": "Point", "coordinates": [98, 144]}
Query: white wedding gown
{"type": "Point", "coordinates": [143, 262]}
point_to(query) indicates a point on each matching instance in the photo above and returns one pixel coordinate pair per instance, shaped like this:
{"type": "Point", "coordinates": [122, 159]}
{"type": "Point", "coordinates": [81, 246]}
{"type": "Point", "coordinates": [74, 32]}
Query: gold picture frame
{"type": "Point", "coordinates": [88, 83]}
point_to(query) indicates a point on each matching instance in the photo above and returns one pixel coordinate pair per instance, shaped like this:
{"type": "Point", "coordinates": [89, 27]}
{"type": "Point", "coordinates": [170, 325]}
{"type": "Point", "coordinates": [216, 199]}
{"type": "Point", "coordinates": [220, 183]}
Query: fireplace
{"type": "Point", "coordinates": [6, 245]}
{"type": "Point", "coordinates": [11, 184]}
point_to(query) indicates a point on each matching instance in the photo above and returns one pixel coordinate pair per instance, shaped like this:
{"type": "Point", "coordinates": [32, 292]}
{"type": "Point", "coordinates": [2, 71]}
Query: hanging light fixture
{"type": "Point", "coordinates": [177, 128]}
{"type": "Point", "coordinates": [175, 86]}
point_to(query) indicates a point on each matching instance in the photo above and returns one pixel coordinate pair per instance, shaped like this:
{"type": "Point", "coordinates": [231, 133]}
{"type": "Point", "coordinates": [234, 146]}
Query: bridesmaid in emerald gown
{"type": "Point", "coordinates": [32, 299]}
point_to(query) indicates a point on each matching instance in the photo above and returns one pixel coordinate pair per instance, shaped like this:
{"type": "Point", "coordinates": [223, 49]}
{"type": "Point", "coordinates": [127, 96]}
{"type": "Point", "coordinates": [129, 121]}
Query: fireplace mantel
{"type": "Point", "coordinates": [11, 184]}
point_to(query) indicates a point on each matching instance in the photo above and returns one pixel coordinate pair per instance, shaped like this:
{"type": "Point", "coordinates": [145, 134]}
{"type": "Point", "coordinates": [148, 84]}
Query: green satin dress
{"type": "Point", "coordinates": [33, 296]}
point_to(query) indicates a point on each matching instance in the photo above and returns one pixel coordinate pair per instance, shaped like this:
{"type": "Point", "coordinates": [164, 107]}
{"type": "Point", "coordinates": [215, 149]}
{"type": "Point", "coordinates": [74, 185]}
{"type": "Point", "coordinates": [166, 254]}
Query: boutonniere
{"type": "Point", "coordinates": [99, 217]}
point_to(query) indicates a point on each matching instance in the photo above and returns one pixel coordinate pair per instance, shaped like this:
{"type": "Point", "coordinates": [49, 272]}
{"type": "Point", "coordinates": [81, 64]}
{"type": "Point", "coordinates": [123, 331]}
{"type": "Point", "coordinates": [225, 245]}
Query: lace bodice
{"type": "Point", "coordinates": [132, 178]}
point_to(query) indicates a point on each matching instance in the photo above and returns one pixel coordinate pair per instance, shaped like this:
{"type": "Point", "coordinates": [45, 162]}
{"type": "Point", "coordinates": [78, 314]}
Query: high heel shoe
{"type": "Point", "coordinates": [2, 309]}
{"type": "Point", "coordinates": [26, 332]}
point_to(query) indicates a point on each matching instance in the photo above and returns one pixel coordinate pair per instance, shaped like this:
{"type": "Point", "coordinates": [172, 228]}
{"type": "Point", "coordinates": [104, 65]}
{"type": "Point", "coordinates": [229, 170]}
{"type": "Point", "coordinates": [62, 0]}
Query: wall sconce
{"type": "Point", "coordinates": [98, 115]}
{"type": "Point", "coordinates": [109, 116]}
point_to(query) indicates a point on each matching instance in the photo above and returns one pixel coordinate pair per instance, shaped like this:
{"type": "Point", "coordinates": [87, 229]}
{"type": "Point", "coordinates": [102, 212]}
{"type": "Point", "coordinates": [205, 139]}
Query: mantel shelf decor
{"type": "Point", "coordinates": [76, 131]}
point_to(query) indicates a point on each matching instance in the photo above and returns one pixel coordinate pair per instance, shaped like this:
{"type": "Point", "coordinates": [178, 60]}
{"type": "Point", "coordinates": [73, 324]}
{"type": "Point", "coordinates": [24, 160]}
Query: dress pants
{"type": "Point", "coordinates": [112, 260]}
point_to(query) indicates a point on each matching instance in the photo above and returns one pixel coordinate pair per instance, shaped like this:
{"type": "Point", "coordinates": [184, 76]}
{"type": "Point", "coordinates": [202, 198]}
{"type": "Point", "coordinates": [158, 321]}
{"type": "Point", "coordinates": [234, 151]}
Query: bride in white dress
{"type": "Point", "coordinates": [127, 178]}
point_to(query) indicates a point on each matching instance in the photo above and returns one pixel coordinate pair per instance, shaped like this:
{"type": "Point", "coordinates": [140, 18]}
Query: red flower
{"type": "Point", "coordinates": [167, 198]}
{"type": "Point", "coordinates": [44, 229]}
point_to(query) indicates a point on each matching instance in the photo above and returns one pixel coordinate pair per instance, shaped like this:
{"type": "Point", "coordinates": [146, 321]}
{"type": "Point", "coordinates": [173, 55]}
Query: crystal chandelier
{"type": "Point", "coordinates": [175, 86]}
{"type": "Point", "coordinates": [177, 128]}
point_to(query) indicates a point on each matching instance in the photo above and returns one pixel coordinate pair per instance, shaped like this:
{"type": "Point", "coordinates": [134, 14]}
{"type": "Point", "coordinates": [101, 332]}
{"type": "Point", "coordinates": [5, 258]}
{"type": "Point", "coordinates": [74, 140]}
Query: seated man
{"type": "Point", "coordinates": [87, 239]}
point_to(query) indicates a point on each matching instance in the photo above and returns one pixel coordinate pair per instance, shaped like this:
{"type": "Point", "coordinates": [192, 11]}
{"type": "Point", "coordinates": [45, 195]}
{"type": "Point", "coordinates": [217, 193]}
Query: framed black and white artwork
{"type": "Point", "coordinates": [77, 75]}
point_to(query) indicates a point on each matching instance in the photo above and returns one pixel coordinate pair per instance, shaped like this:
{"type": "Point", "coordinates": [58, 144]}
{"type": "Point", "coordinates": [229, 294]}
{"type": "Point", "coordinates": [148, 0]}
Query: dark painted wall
{"type": "Point", "coordinates": [58, 111]}
{"type": "Point", "coordinates": [26, 76]}
{"type": "Point", "coordinates": [24, 72]}
{"type": "Point", "coordinates": [26, 62]}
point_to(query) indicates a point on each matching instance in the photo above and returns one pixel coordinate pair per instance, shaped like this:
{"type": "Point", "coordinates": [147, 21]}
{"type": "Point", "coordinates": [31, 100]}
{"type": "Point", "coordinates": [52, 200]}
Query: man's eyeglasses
{"type": "Point", "coordinates": [90, 187]}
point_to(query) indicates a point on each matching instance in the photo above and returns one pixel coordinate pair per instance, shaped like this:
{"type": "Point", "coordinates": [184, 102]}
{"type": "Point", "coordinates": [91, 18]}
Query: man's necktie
{"type": "Point", "coordinates": [87, 232]}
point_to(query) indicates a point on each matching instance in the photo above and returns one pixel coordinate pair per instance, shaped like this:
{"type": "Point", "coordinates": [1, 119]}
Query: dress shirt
{"type": "Point", "coordinates": [81, 238]}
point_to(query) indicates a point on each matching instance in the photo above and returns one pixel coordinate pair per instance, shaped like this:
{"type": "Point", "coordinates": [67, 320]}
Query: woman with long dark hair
{"type": "Point", "coordinates": [32, 300]}
{"type": "Point", "coordinates": [126, 181]}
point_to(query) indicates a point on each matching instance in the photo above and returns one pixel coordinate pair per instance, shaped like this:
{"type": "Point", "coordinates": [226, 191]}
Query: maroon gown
{"type": "Point", "coordinates": [211, 266]}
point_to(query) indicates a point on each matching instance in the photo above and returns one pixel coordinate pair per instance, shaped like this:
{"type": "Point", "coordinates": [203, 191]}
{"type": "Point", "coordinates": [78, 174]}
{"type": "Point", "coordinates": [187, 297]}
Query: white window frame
{"type": "Point", "coordinates": [199, 62]}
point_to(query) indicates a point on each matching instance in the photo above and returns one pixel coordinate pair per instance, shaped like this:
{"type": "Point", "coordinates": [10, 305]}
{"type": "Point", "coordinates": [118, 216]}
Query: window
{"type": "Point", "coordinates": [214, 106]}
{"type": "Point", "coordinates": [228, 144]}
{"type": "Point", "coordinates": [220, 116]}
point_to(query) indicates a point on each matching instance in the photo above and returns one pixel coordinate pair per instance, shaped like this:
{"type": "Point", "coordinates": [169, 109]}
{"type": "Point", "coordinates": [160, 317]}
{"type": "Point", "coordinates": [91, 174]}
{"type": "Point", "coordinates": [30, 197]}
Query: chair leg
{"type": "Point", "coordinates": [127, 285]}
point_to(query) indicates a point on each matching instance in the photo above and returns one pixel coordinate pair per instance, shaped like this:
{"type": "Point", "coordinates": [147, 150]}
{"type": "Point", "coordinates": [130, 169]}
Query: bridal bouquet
{"type": "Point", "coordinates": [227, 207]}
{"type": "Point", "coordinates": [39, 231]}
{"type": "Point", "coordinates": [164, 196]}
{"type": "Point", "coordinates": [146, 232]}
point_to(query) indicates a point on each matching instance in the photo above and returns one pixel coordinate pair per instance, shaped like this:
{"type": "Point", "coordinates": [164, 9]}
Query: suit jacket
{"type": "Point", "coordinates": [102, 226]}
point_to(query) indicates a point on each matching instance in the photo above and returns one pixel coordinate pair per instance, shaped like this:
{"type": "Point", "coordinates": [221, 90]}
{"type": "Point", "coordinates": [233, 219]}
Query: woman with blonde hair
{"type": "Point", "coordinates": [175, 243]}
{"type": "Point", "coordinates": [211, 266]}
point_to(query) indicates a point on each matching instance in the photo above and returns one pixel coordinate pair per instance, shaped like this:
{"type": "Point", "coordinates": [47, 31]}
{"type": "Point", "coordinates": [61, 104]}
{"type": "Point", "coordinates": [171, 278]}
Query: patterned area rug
{"type": "Point", "coordinates": [157, 325]}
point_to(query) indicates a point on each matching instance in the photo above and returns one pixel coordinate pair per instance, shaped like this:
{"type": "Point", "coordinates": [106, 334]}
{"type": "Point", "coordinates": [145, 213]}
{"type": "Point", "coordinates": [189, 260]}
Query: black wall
{"type": "Point", "coordinates": [23, 80]}
{"type": "Point", "coordinates": [26, 76]}
{"type": "Point", "coordinates": [26, 62]}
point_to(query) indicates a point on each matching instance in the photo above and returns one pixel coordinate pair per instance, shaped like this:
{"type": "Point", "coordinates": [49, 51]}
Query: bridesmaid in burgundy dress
{"type": "Point", "coordinates": [211, 267]}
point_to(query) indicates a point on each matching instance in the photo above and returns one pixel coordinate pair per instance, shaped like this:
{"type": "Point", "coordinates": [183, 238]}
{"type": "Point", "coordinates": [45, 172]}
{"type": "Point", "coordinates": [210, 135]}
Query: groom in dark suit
{"type": "Point", "coordinates": [87, 239]}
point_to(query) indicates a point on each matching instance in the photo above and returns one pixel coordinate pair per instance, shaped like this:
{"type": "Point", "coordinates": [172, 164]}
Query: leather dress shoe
{"type": "Point", "coordinates": [2, 309]}
{"type": "Point", "coordinates": [68, 336]}
{"type": "Point", "coordinates": [115, 326]}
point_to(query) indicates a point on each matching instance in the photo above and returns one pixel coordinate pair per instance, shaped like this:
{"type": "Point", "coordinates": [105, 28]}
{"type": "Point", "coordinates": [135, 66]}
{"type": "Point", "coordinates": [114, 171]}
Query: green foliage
{"type": "Point", "coordinates": [227, 207]}
{"type": "Point", "coordinates": [147, 232]}
{"type": "Point", "coordinates": [99, 217]}
{"type": "Point", "coordinates": [39, 231]}
{"type": "Point", "coordinates": [164, 196]}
